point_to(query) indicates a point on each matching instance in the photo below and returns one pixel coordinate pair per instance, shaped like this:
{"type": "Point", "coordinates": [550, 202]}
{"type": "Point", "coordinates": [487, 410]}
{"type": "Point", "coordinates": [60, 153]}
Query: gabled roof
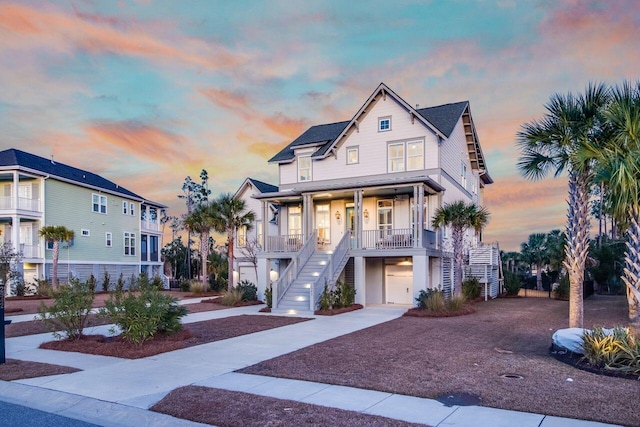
{"type": "Point", "coordinates": [13, 158]}
{"type": "Point", "coordinates": [262, 187]}
{"type": "Point", "coordinates": [440, 119]}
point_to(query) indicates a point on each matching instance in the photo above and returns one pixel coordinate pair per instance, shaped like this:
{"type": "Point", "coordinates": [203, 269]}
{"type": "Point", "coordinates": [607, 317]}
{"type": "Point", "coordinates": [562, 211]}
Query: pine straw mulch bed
{"type": "Point", "coordinates": [334, 311]}
{"type": "Point", "coordinates": [193, 334]}
{"type": "Point", "coordinates": [31, 327]}
{"type": "Point", "coordinates": [419, 312]}
{"type": "Point", "coordinates": [231, 408]}
{"type": "Point", "coordinates": [431, 357]}
{"type": "Point", "coordinates": [20, 370]}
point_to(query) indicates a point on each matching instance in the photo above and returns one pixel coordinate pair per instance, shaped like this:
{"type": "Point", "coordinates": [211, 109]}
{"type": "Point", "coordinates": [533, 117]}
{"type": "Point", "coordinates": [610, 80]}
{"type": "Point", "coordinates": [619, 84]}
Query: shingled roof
{"type": "Point", "coordinates": [442, 117]}
{"type": "Point", "coordinates": [54, 169]}
{"type": "Point", "coordinates": [263, 187]}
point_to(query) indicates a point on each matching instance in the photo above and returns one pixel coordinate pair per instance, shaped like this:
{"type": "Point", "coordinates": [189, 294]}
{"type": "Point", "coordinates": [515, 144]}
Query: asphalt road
{"type": "Point", "coordinates": [21, 416]}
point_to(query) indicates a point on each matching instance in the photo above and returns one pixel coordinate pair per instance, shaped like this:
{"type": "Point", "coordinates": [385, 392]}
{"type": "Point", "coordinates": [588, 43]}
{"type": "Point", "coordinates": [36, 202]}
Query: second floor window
{"type": "Point", "coordinates": [108, 239]}
{"type": "Point", "coordinates": [396, 157]}
{"type": "Point", "coordinates": [132, 210]}
{"type": "Point", "coordinates": [304, 168]}
{"type": "Point", "coordinates": [99, 204]}
{"type": "Point", "coordinates": [125, 208]}
{"type": "Point", "coordinates": [129, 243]}
{"type": "Point", "coordinates": [295, 220]}
{"type": "Point", "coordinates": [352, 155]}
{"type": "Point", "coordinates": [463, 175]}
{"type": "Point", "coordinates": [405, 156]}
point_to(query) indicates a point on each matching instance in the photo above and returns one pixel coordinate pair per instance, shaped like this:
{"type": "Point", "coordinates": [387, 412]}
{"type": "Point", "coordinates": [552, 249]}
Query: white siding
{"type": "Point", "coordinates": [372, 146]}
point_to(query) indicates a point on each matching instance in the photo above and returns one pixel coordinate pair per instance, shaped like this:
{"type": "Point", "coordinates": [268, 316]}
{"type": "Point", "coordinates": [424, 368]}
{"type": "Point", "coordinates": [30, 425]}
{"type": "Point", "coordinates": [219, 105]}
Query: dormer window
{"type": "Point", "coordinates": [384, 124]}
{"type": "Point", "coordinates": [304, 168]}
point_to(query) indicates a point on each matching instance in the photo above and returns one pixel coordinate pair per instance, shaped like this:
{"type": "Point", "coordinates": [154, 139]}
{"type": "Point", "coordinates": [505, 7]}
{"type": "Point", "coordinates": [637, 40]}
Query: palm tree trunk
{"type": "Point", "coordinates": [204, 251]}
{"type": "Point", "coordinates": [577, 244]}
{"type": "Point", "coordinates": [631, 276]}
{"type": "Point", "coordinates": [54, 268]}
{"type": "Point", "coordinates": [458, 257]}
{"type": "Point", "coordinates": [539, 276]}
{"type": "Point", "coordinates": [230, 258]}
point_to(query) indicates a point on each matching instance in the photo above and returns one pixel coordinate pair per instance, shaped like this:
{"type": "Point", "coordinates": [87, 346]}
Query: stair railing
{"type": "Point", "coordinates": [331, 271]}
{"type": "Point", "coordinates": [293, 269]}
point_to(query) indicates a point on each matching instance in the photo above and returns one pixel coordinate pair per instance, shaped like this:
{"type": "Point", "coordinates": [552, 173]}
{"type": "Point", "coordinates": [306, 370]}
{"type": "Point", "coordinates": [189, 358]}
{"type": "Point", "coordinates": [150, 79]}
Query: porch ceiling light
{"type": "Point", "coordinates": [406, 261]}
{"type": "Point", "coordinates": [366, 214]}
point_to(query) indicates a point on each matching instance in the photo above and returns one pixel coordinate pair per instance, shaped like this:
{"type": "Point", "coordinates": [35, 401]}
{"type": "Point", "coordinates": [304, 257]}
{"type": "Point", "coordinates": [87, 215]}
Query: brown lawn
{"type": "Point", "coordinates": [429, 357]}
{"type": "Point", "coordinates": [193, 334]}
{"type": "Point", "coordinates": [230, 408]}
{"type": "Point", "coordinates": [20, 370]}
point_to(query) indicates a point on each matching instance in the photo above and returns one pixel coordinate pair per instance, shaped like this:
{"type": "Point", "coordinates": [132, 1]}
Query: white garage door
{"type": "Point", "coordinates": [249, 274]}
{"type": "Point", "coordinates": [399, 284]}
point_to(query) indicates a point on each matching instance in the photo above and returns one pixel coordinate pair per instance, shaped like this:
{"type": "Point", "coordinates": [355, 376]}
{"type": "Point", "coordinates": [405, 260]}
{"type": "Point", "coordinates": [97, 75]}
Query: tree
{"type": "Point", "coordinates": [552, 144]}
{"type": "Point", "coordinates": [56, 234]}
{"type": "Point", "coordinates": [175, 252]}
{"type": "Point", "coordinates": [618, 166]}
{"type": "Point", "coordinates": [460, 216]}
{"type": "Point", "coordinates": [534, 251]}
{"type": "Point", "coordinates": [8, 259]}
{"type": "Point", "coordinates": [229, 216]}
{"type": "Point", "coordinates": [194, 194]}
{"type": "Point", "coordinates": [200, 221]}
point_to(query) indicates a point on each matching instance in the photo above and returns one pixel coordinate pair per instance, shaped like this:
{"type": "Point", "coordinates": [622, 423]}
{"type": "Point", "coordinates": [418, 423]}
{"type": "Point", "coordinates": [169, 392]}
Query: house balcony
{"type": "Point", "coordinates": [30, 251]}
{"type": "Point", "coordinates": [8, 203]}
{"type": "Point", "coordinates": [150, 226]}
{"type": "Point", "coordinates": [384, 240]}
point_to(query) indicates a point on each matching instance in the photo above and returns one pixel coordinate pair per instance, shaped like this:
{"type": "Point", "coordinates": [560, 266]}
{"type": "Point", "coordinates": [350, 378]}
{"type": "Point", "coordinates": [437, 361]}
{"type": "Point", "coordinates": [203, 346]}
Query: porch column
{"type": "Point", "coordinates": [359, 280]}
{"type": "Point", "coordinates": [15, 199]}
{"type": "Point", "coordinates": [15, 242]}
{"type": "Point", "coordinates": [420, 216]}
{"type": "Point", "coordinates": [357, 217]}
{"type": "Point", "coordinates": [416, 220]}
{"type": "Point", "coordinates": [265, 223]}
{"type": "Point", "coordinates": [263, 276]}
{"type": "Point", "coordinates": [420, 274]}
{"type": "Point", "coordinates": [306, 215]}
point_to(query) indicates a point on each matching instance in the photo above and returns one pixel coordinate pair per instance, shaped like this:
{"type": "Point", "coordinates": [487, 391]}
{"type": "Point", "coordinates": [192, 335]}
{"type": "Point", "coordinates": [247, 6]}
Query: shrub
{"type": "Point", "coordinates": [217, 282]}
{"type": "Point", "coordinates": [432, 299]}
{"type": "Point", "coordinates": [195, 287]}
{"type": "Point", "coordinates": [511, 283]}
{"type": "Point", "coordinates": [106, 281]}
{"type": "Point", "coordinates": [120, 283]}
{"type": "Point", "coordinates": [157, 283]}
{"type": "Point", "coordinates": [21, 289]}
{"type": "Point", "coordinates": [455, 303]}
{"type": "Point", "coordinates": [70, 310]}
{"type": "Point", "coordinates": [562, 291]}
{"type": "Point", "coordinates": [232, 297]}
{"type": "Point", "coordinates": [615, 350]}
{"type": "Point", "coordinates": [268, 296]}
{"type": "Point", "coordinates": [248, 289]}
{"type": "Point", "coordinates": [344, 295]}
{"type": "Point", "coordinates": [43, 288]}
{"type": "Point", "coordinates": [471, 288]}
{"type": "Point", "coordinates": [142, 315]}
{"type": "Point", "coordinates": [324, 302]}
{"type": "Point", "coordinates": [185, 285]}
{"type": "Point", "coordinates": [91, 282]}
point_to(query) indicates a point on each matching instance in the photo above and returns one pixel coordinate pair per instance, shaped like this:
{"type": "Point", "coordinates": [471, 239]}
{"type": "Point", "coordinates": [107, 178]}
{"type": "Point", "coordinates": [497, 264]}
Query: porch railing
{"type": "Point", "coordinates": [33, 205]}
{"type": "Point", "coordinates": [151, 225]}
{"type": "Point", "coordinates": [293, 269]}
{"type": "Point", "coordinates": [392, 238]}
{"type": "Point", "coordinates": [331, 271]}
{"type": "Point", "coordinates": [30, 251]}
{"type": "Point", "coordinates": [286, 243]}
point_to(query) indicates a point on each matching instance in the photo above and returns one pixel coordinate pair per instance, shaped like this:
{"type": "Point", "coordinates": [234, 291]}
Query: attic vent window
{"type": "Point", "coordinates": [384, 124]}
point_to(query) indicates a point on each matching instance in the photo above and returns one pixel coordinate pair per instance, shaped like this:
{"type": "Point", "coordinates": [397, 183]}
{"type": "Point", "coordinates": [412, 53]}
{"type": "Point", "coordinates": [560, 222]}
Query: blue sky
{"type": "Point", "coordinates": [148, 92]}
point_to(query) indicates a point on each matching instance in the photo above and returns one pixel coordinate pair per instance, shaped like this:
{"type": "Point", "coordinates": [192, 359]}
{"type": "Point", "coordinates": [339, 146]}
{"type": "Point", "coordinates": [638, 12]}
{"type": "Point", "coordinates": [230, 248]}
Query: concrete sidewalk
{"type": "Point", "coordinates": [121, 385]}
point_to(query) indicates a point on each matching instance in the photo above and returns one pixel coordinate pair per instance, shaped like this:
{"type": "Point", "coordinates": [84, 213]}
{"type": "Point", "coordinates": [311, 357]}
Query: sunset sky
{"type": "Point", "coordinates": [148, 92]}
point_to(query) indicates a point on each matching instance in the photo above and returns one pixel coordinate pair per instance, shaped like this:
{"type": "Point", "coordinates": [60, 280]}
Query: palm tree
{"type": "Point", "coordinates": [460, 216]}
{"type": "Point", "coordinates": [535, 251]}
{"type": "Point", "coordinates": [552, 144]}
{"type": "Point", "coordinates": [229, 216]}
{"type": "Point", "coordinates": [56, 234]}
{"type": "Point", "coordinates": [200, 221]}
{"type": "Point", "coordinates": [618, 160]}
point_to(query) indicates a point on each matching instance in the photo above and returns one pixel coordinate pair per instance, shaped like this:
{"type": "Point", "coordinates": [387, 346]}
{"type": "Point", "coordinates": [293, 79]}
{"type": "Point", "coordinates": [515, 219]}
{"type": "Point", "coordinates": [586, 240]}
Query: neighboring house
{"type": "Point", "coordinates": [116, 230]}
{"type": "Point", "coordinates": [356, 200]}
{"type": "Point", "coordinates": [249, 242]}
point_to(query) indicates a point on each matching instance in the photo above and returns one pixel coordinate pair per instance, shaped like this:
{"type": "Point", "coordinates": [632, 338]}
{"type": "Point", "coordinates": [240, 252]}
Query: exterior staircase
{"type": "Point", "coordinates": [298, 295]}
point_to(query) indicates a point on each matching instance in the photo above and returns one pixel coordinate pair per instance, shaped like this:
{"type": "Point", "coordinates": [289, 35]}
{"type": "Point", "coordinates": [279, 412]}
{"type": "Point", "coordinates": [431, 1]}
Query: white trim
{"type": "Point", "coordinates": [100, 204]}
{"type": "Point", "coordinates": [310, 174]}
